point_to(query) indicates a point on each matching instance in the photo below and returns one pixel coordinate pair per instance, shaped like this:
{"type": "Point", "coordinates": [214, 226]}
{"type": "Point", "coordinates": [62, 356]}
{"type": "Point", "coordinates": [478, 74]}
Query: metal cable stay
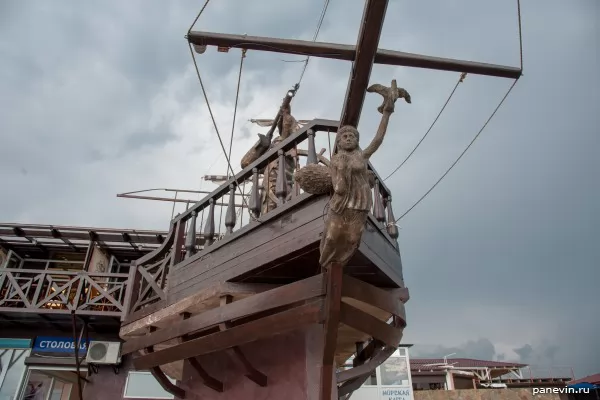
{"type": "Point", "coordinates": [460, 80]}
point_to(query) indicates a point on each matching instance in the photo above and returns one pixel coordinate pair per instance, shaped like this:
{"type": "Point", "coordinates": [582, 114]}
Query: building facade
{"type": "Point", "coordinates": [63, 294]}
{"type": "Point", "coordinates": [400, 377]}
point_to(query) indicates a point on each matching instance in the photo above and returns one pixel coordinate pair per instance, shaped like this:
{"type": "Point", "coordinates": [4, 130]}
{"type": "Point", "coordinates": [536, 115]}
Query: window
{"type": "Point", "coordinates": [12, 368]}
{"type": "Point", "coordinates": [142, 385]}
{"type": "Point", "coordinates": [394, 372]}
{"type": "Point", "coordinates": [42, 385]}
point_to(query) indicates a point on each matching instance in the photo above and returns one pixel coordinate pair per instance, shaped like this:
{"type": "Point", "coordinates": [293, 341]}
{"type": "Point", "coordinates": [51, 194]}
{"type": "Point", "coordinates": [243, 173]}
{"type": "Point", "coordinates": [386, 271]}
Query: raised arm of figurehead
{"type": "Point", "coordinates": [390, 95]}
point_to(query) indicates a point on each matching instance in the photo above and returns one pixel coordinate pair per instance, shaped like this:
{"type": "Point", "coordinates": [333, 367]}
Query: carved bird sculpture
{"type": "Point", "coordinates": [390, 94]}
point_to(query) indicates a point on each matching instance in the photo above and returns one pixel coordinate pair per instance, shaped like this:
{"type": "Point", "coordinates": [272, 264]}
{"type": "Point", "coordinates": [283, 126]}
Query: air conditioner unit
{"type": "Point", "coordinates": [101, 352]}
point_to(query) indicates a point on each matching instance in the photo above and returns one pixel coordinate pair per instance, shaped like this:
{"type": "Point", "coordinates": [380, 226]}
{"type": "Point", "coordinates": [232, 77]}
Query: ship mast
{"type": "Point", "coordinates": [363, 56]}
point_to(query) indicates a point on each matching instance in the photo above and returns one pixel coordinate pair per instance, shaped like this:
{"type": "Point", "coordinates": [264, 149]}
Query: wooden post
{"type": "Point", "coordinates": [333, 299]}
{"type": "Point", "coordinates": [190, 240]}
{"type": "Point", "coordinates": [209, 228]}
{"type": "Point", "coordinates": [230, 216]}
{"type": "Point", "coordinates": [281, 183]}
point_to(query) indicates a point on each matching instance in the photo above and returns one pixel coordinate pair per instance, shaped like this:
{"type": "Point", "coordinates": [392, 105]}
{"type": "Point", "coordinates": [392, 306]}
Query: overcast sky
{"type": "Point", "coordinates": [501, 259]}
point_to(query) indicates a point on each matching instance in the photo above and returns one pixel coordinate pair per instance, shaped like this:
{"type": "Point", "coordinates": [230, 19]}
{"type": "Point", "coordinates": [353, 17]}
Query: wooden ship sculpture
{"type": "Point", "coordinates": [276, 305]}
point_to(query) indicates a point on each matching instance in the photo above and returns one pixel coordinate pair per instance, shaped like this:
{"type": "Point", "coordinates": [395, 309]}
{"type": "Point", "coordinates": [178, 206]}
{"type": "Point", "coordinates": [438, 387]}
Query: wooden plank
{"type": "Point", "coordinates": [333, 301]}
{"type": "Point", "coordinates": [194, 282]}
{"type": "Point", "coordinates": [364, 370]}
{"type": "Point", "coordinates": [381, 229]}
{"type": "Point", "coordinates": [76, 233]}
{"type": "Point", "coordinates": [161, 377]}
{"type": "Point", "coordinates": [367, 352]}
{"type": "Point", "coordinates": [309, 236]}
{"type": "Point", "coordinates": [162, 250]}
{"type": "Point", "coordinates": [379, 356]}
{"type": "Point", "coordinates": [366, 48]}
{"type": "Point", "coordinates": [372, 295]}
{"type": "Point", "coordinates": [207, 379]}
{"type": "Point", "coordinates": [16, 311]}
{"type": "Point", "coordinates": [262, 236]}
{"type": "Point", "coordinates": [366, 323]}
{"type": "Point", "coordinates": [200, 301]}
{"type": "Point", "coordinates": [281, 248]}
{"type": "Point", "coordinates": [348, 53]}
{"type": "Point", "coordinates": [266, 327]}
{"type": "Point", "coordinates": [178, 243]}
{"type": "Point", "coordinates": [281, 296]}
{"type": "Point", "coordinates": [380, 252]}
{"type": "Point", "coordinates": [271, 240]}
{"type": "Point", "coordinates": [132, 291]}
{"type": "Point", "coordinates": [349, 336]}
{"type": "Point", "coordinates": [237, 354]}
{"type": "Point", "coordinates": [16, 287]}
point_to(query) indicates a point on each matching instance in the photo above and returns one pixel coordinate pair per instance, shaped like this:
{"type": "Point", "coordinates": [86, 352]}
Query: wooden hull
{"type": "Point", "coordinates": [264, 280]}
{"type": "Point", "coordinates": [262, 283]}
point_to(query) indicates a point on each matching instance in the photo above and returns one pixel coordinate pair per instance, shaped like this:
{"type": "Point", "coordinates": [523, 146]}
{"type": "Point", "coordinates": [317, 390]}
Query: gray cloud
{"type": "Point", "coordinates": [525, 352]}
{"type": "Point", "coordinates": [482, 349]}
{"type": "Point", "coordinates": [98, 100]}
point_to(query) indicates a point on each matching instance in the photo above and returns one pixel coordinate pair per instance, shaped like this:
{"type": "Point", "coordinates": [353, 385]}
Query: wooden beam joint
{"type": "Point", "coordinates": [271, 325]}
{"type": "Point", "coordinates": [160, 376]}
{"type": "Point", "coordinates": [236, 353]}
{"type": "Point", "coordinates": [207, 379]}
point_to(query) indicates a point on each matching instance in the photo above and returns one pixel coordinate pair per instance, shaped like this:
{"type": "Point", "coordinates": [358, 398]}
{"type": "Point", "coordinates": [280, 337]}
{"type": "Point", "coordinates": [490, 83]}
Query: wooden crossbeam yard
{"type": "Point", "coordinates": [363, 56]}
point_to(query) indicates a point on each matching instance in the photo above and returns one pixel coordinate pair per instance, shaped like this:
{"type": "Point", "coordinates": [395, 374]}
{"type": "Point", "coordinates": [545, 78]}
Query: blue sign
{"type": "Point", "coordinates": [7, 343]}
{"type": "Point", "coordinates": [45, 344]}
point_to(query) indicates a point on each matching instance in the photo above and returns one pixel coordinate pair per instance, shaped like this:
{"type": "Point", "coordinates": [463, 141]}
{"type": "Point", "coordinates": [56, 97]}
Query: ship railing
{"type": "Point", "coordinates": [235, 208]}
{"type": "Point", "coordinates": [62, 292]}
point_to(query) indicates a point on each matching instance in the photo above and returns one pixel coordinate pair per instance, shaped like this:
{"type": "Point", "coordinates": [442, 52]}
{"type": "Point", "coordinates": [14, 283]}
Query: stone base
{"type": "Point", "coordinates": [291, 362]}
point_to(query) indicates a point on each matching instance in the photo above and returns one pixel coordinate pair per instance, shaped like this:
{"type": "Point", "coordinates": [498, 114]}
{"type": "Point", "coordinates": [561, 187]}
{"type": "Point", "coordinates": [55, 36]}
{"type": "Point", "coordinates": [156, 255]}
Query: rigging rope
{"type": "Point", "coordinates": [198, 16]}
{"type": "Point", "coordinates": [212, 117]}
{"type": "Point", "coordinates": [237, 96]}
{"type": "Point", "coordinates": [520, 33]}
{"type": "Point", "coordinates": [482, 128]}
{"type": "Point", "coordinates": [460, 80]}
{"type": "Point", "coordinates": [321, 18]}
{"type": "Point", "coordinates": [461, 154]}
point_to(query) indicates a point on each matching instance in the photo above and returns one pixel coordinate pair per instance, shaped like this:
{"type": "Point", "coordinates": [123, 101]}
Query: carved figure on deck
{"type": "Point", "coordinates": [351, 183]}
{"type": "Point", "coordinates": [287, 125]}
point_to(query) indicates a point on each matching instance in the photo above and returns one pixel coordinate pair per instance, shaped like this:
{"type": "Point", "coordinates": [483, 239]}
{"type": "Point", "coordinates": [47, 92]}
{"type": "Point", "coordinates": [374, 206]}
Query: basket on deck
{"type": "Point", "coordinates": [314, 179]}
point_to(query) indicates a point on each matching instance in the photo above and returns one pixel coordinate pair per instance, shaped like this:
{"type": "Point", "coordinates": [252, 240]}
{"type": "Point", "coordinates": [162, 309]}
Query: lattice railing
{"type": "Point", "coordinates": [52, 291]}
